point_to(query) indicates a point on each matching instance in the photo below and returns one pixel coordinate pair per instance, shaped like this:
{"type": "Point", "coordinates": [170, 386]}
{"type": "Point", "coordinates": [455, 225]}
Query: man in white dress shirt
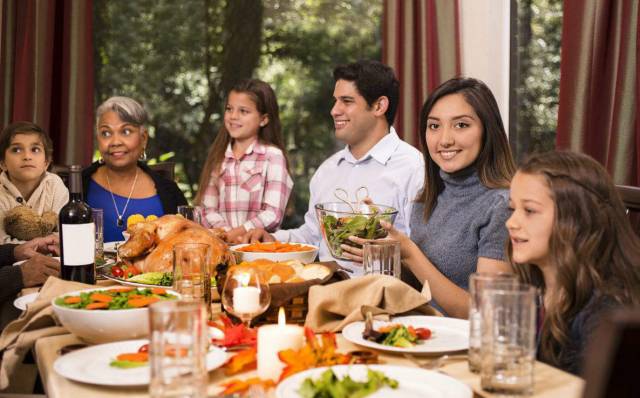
{"type": "Point", "coordinates": [366, 99]}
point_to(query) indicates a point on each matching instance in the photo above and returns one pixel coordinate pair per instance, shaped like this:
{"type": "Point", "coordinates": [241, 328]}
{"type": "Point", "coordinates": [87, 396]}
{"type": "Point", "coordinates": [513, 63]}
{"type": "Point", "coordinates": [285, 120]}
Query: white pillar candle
{"type": "Point", "coordinates": [273, 339]}
{"type": "Point", "coordinates": [246, 300]}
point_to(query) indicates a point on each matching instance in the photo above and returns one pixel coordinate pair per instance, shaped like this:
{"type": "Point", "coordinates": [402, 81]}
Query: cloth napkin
{"type": "Point", "coordinates": [37, 321]}
{"type": "Point", "coordinates": [332, 307]}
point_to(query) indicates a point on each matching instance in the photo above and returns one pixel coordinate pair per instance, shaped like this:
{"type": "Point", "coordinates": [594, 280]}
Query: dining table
{"type": "Point", "coordinates": [549, 382]}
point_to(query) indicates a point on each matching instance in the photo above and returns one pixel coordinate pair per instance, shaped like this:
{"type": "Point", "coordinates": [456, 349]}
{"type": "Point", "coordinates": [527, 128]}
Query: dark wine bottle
{"type": "Point", "coordinates": [77, 234]}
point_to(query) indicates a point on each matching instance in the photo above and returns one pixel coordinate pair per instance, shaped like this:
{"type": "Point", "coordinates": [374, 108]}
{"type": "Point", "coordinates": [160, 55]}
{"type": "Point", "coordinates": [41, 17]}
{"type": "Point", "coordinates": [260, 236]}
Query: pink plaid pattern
{"type": "Point", "coordinates": [251, 191]}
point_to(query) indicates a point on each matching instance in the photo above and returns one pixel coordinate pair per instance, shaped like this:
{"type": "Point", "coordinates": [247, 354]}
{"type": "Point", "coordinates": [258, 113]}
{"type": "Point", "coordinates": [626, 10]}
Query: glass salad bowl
{"type": "Point", "coordinates": [339, 220]}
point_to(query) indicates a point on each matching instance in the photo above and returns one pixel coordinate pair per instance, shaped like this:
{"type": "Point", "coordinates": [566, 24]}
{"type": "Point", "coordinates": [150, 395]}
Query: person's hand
{"type": "Point", "coordinates": [45, 245]}
{"type": "Point", "coordinates": [354, 253]}
{"type": "Point", "coordinates": [258, 235]}
{"type": "Point", "coordinates": [37, 269]}
{"type": "Point", "coordinates": [236, 235]}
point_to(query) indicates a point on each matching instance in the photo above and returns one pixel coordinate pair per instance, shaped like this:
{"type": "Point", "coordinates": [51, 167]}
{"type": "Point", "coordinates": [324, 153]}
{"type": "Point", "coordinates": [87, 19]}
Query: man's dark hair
{"type": "Point", "coordinates": [373, 80]}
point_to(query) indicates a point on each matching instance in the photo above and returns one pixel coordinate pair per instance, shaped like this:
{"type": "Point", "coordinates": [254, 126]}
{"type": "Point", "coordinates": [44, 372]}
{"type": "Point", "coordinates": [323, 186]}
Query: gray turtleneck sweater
{"type": "Point", "coordinates": [468, 222]}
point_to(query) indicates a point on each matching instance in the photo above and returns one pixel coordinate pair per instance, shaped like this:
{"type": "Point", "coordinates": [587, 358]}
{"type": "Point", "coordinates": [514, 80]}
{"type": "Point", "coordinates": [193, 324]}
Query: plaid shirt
{"type": "Point", "coordinates": [251, 191]}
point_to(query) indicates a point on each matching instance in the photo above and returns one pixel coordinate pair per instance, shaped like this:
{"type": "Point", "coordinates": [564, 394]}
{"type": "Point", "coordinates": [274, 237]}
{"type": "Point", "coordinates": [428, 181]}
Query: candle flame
{"type": "Point", "coordinates": [281, 317]}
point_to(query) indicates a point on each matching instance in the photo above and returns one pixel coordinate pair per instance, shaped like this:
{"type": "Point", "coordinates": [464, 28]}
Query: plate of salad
{"type": "Point", "coordinates": [123, 363]}
{"type": "Point", "coordinates": [128, 274]}
{"type": "Point", "coordinates": [411, 334]}
{"type": "Point", "coordinates": [374, 381]}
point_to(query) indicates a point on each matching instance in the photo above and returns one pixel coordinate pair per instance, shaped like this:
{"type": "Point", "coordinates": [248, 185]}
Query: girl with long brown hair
{"type": "Point", "coordinates": [570, 236]}
{"type": "Point", "coordinates": [245, 182]}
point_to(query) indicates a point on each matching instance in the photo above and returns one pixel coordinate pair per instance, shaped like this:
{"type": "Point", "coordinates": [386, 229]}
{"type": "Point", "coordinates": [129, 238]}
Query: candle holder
{"type": "Point", "coordinates": [245, 294]}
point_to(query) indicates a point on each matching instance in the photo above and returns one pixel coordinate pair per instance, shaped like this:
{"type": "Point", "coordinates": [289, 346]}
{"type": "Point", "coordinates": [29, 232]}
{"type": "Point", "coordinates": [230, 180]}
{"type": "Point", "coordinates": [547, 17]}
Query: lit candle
{"type": "Point", "coordinates": [246, 300]}
{"type": "Point", "coordinates": [273, 339]}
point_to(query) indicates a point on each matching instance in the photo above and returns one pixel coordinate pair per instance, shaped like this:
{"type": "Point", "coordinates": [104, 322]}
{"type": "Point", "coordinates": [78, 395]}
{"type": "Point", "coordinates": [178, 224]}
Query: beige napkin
{"type": "Point", "coordinates": [37, 321]}
{"type": "Point", "coordinates": [332, 307]}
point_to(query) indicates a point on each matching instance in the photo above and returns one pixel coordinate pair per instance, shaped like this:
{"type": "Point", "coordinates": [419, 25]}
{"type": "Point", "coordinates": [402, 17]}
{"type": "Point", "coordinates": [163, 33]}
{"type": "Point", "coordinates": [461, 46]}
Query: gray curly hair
{"type": "Point", "coordinates": [128, 109]}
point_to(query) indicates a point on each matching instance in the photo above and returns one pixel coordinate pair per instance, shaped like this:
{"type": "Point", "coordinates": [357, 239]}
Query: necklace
{"type": "Point", "coordinates": [120, 221]}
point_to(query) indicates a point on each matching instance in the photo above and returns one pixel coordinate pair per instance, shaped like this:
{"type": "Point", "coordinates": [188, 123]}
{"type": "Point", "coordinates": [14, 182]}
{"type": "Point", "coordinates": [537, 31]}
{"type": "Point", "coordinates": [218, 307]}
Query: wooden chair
{"type": "Point", "coordinates": [631, 199]}
{"type": "Point", "coordinates": [611, 359]}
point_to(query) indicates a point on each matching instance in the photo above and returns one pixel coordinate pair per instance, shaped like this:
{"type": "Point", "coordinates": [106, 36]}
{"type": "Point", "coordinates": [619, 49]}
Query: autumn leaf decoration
{"type": "Point", "coordinates": [234, 335]}
{"type": "Point", "coordinates": [315, 353]}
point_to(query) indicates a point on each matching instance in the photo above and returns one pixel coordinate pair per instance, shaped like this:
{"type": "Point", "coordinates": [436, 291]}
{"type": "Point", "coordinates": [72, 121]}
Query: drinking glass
{"type": "Point", "coordinates": [191, 274]}
{"type": "Point", "coordinates": [381, 257]}
{"type": "Point", "coordinates": [478, 282]}
{"type": "Point", "coordinates": [193, 213]}
{"type": "Point", "coordinates": [177, 349]}
{"type": "Point", "coordinates": [98, 220]}
{"type": "Point", "coordinates": [508, 350]}
{"type": "Point", "coordinates": [245, 294]}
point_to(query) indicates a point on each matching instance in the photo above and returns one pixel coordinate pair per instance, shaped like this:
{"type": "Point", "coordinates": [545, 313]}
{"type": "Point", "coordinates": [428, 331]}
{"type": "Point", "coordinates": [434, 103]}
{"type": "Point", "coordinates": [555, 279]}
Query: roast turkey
{"type": "Point", "coordinates": [150, 244]}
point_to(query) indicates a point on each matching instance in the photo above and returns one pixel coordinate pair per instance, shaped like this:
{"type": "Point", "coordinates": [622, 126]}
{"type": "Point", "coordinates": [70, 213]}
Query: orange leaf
{"type": "Point", "coordinates": [243, 360]}
{"type": "Point", "coordinates": [240, 386]}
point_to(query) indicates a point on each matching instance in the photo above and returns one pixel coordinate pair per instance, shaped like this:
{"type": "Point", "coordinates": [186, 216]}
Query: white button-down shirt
{"type": "Point", "coordinates": [392, 171]}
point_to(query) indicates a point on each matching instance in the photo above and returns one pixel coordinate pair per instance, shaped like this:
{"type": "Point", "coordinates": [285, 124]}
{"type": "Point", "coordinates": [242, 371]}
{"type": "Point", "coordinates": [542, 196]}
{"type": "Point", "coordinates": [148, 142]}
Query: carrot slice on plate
{"type": "Point", "coordinates": [142, 302]}
{"type": "Point", "coordinates": [72, 300]}
{"type": "Point", "coordinates": [97, 306]}
{"type": "Point", "coordinates": [101, 298]}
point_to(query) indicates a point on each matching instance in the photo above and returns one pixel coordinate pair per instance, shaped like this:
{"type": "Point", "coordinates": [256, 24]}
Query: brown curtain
{"type": "Point", "coordinates": [421, 43]}
{"type": "Point", "coordinates": [599, 84]}
{"type": "Point", "coordinates": [46, 71]}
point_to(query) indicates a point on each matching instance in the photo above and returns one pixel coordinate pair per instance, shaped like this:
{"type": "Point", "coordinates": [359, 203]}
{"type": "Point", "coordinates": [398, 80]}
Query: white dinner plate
{"type": "Point", "coordinates": [412, 382]}
{"type": "Point", "coordinates": [22, 261]}
{"type": "Point", "coordinates": [112, 247]}
{"type": "Point", "coordinates": [22, 301]}
{"type": "Point", "coordinates": [91, 365]}
{"type": "Point", "coordinates": [447, 334]}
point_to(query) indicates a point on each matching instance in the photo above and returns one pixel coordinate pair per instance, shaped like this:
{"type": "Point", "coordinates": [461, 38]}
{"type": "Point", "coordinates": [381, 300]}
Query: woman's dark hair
{"type": "Point", "coordinates": [266, 102]}
{"type": "Point", "coordinates": [592, 247]}
{"type": "Point", "coordinates": [373, 80]}
{"type": "Point", "coordinates": [494, 164]}
{"type": "Point", "coordinates": [25, 128]}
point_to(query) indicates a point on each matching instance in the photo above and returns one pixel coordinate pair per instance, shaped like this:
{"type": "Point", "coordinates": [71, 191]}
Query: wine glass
{"type": "Point", "coordinates": [245, 294]}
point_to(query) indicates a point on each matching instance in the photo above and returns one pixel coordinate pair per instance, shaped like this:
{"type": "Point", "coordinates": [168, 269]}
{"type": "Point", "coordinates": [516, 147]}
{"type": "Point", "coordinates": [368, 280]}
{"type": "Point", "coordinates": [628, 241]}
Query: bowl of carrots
{"type": "Point", "coordinates": [275, 251]}
{"type": "Point", "coordinates": [102, 315]}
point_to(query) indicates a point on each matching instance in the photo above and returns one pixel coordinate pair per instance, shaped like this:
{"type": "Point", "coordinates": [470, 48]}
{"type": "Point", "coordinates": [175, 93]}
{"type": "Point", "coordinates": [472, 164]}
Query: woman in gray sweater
{"type": "Point", "coordinates": [457, 223]}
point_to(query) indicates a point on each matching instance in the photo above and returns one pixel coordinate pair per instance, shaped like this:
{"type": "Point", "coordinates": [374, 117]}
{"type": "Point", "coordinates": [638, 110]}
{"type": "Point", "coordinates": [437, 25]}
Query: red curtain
{"type": "Point", "coordinates": [599, 84]}
{"type": "Point", "coordinates": [421, 43]}
{"type": "Point", "coordinates": [46, 76]}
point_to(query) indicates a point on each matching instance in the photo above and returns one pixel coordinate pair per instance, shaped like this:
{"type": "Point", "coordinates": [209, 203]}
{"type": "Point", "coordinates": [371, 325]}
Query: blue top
{"type": "Point", "coordinates": [100, 198]}
{"type": "Point", "coordinates": [467, 222]}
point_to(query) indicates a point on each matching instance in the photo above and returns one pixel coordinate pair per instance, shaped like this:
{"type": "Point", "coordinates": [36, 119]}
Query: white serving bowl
{"type": "Point", "coordinates": [304, 257]}
{"type": "Point", "coordinates": [104, 326]}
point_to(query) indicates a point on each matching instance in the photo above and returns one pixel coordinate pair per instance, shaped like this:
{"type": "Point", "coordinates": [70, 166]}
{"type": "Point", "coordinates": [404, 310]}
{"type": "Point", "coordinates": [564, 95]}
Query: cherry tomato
{"type": "Point", "coordinates": [117, 271]}
{"type": "Point", "coordinates": [423, 333]}
{"type": "Point", "coordinates": [144, 348]}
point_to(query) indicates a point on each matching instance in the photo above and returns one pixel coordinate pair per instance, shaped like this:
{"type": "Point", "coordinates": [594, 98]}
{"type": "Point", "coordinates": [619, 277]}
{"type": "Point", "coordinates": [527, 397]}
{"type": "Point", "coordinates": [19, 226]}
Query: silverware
{"type": "Point", "coordinates": [433, 364]}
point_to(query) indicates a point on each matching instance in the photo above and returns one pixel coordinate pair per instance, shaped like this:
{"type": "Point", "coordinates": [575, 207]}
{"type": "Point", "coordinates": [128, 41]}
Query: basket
{"type": "Point", "coordinates": [292, 297]}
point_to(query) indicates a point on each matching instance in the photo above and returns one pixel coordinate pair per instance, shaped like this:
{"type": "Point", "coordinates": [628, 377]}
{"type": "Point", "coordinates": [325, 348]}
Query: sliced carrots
{"type": "Point", "coordinates": [134, 357]}
{"type": "Point", "coordinates": [275, 247]}
{"type": "Point", "coordinates": [72, 300]}
{"type": "Point", "coordinates": [97, 306]}
{"type": "Point", "coordinates": [101, 298]}
{"type": "Point", "coordinates": [142, 302]}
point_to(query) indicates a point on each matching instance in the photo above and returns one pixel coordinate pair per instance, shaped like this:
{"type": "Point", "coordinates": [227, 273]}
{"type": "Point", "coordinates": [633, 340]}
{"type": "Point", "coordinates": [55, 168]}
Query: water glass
{"type": "Point", "coordinates": [478, 282]}
{"type": "Point", "coordinates": [177, 349]}
{"type": "Point", "coordinates": [191, 272]}
{"type": "Point", "coordinates": [508, 349]}
{"type": "Point", "coordinates": [193, 213]}
{"type": "Point", "coordinates": [381, 257]}
{"type": "Point", "coordinates": [98, 220]}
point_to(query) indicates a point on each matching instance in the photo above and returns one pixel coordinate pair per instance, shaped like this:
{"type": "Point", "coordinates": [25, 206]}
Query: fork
{"type": "Point", "coordinates": [430, 364]}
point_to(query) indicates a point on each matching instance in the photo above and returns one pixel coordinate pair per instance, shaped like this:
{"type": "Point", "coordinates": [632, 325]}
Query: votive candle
{"type": "Point", "coordinates": [273, 339]}
{"type": "Point", "coordinates": [246, 300]}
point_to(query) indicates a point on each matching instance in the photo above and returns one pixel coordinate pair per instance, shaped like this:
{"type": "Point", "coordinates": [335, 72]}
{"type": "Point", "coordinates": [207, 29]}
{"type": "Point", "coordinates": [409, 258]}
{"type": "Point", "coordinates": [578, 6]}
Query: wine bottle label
{"type": "Point", "coordinates": [79, 244]}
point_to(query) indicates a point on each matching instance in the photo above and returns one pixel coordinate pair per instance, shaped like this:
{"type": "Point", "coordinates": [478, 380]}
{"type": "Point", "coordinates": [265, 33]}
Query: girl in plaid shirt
{"type": "Point", "coordinates": [245, 182]}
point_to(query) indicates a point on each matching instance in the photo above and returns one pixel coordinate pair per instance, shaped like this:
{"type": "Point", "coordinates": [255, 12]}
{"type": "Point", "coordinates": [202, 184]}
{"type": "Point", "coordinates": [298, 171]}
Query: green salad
{"type": "Point", "coordinates": [367, 226]}
{"type": "Point", "coordinates": [153, 278]}
{"type": "Point", "coordinates": [329, 386]}
{"type": "Point", "coordinates": [115, 299]}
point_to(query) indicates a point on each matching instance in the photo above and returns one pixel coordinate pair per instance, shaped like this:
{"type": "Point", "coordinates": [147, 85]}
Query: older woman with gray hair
{"type": "Point", "coordinates": [119, 182]}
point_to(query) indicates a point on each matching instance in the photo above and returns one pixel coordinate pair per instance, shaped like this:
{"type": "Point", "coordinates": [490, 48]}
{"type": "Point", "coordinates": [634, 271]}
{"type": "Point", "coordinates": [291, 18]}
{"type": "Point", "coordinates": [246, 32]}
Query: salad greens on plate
{"type": "Point", "coordinates": [329, 386]}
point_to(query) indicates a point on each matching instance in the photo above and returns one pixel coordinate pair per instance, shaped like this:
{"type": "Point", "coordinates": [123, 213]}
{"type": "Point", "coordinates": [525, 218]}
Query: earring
{"type": "Point", "coordinates": [100, 160]}
{"type": "Point", "coordinates": [143, 155]}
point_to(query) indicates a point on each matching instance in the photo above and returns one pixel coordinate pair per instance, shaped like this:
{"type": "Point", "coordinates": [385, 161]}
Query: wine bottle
{"type": "Point", "coordinates": [77, 234]}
